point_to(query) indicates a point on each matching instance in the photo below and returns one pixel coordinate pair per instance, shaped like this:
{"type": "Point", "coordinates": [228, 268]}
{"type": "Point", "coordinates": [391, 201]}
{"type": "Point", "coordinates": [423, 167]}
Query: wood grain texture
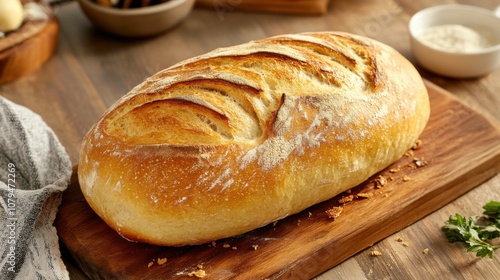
{"type": "Point", "coordinates": [90, 71]}
{"type": "Point", "coordinates": [28, 48]}
{"type": "Point", "coordinates": [460, 148]}
{"type": "Point", "coordinates": [443, 260]}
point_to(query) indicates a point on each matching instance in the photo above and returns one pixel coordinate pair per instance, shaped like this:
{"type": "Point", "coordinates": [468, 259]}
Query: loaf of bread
{"type": "Point", "coordinates": [235, 139]}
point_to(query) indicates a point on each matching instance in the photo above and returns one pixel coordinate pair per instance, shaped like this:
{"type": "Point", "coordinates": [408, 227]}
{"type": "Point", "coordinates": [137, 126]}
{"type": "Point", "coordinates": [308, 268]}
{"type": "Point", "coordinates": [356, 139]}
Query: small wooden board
{"type": "Point", "coordinates": [28, 48]}
{"type": "Point", "coordinates": [461, 149]}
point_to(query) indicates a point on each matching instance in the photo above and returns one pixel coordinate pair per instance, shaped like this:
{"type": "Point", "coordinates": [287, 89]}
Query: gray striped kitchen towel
{"type": "Point", "coordinates": [34, 171]}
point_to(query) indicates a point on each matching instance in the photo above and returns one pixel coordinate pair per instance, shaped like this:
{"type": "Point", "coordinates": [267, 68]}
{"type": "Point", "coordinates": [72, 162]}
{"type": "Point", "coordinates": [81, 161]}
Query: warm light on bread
{"type": "Point", "coordinates": [232, 140]}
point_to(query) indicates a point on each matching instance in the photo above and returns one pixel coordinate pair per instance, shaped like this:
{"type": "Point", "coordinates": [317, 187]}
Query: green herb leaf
{"type": "Point", "coordinates": [492, 209]}
{"type": "Point", "coordinates": [473, 235]}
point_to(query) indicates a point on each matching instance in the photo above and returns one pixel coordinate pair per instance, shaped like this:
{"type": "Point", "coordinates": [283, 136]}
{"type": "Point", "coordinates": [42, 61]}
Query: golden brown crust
{"type": "Point", "coordinates": [235, 139]}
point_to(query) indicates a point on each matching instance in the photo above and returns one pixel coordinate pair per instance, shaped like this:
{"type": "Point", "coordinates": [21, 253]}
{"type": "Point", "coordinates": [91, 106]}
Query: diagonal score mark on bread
{"type": "Point", "coordinates": [207, 107]}
{"type": "Point", "coordinates": [213, 102]}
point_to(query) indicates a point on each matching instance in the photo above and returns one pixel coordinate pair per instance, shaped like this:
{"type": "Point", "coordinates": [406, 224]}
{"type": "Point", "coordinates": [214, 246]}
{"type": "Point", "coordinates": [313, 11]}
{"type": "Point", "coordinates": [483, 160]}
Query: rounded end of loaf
{"type": "Point", "coordinates": [235, 139]}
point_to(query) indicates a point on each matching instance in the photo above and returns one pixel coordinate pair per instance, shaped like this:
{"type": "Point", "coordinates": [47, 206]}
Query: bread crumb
{"type": "Point", "coordinates": [364, 195]}
{"type": "Point", "coordinates": [395, 170]}
{"type": "Point", "coordinates": [406, 244]}
{"type": "Point", "coordinates": [376, 253]}
{"type": "Point", "coordinates": [234, 248]}
{"type": "Point", "coordinates": [200, 266]}
{"type": "Point", "coordinates": [380, 181]}
{"type": "Point", "coordinates": [161, 261]}
{"type": "Point", "coordinates": [309, 214]}
{"type": "Point", "coordinates": [425, 251]}
{"type": "Point", "coordinates": [334, 212]}
{"type": "Point", "coordinates": [406, 178]}
{"type": "Point", "coordinates": [226, 245]}
{"type": "Point", "coordinates": [213, 243]}
{"type": "Point", "coordinates": [409, 153]}
{"type": "Point", "coordinates": [417, 145]}
{"type": "Point", "coordinates": [419, 162]}
{"type": "Point", "coordinates": [399, 239]}
{"type": "Point", "coordinates": [346, 199]}
{"type": "Point", "coordinates": [348, 191]}
{"type": "Point", "coordinates": [200, 273]}
{"type": "Point", "coordinates": [150, 264]}
{"type": "Point", "coordinates": [255, 247]}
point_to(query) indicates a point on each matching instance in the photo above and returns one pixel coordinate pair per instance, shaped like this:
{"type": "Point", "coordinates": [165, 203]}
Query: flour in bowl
{"type": "Point", "coordinates": [456, 38]}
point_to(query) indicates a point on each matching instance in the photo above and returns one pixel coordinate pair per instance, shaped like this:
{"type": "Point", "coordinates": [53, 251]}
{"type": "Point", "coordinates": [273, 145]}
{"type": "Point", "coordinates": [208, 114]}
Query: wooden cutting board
{"type": "Point", "coordinates": [460, 149]}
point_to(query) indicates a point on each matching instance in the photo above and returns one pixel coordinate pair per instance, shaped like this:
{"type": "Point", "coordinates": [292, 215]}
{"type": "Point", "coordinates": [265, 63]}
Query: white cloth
{"type": "Point", "coordinates": [34, 170]}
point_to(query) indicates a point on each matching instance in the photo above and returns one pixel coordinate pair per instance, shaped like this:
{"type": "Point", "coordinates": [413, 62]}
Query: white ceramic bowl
{"type": "Point", "coordinates": [137, 22]}
{"type": "Point", "coordinates": [454, 64]}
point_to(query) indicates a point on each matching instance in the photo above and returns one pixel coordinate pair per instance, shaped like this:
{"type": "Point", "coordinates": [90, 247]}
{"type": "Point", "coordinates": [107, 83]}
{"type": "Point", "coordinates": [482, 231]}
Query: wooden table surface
{"type": "Point", "coordinates": [91, 70]}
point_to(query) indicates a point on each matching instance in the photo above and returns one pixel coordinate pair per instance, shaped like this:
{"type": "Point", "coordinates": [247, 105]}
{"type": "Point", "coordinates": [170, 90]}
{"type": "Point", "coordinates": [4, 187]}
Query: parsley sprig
{"type": "Point", "coordinates": [473, 234]}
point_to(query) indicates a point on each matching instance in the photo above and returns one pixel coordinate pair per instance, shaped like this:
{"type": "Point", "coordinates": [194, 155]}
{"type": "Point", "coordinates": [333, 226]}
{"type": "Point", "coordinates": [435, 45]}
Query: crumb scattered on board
{"type": "Point", "coordinates": [419, 162]}
{"type": "Point", "coordinates": [380, 181]}
{"type": "Point", "coordinates": [395, 170]}
{"type": "Point", "coordinates": [334, 213]}
{"type": "Point", "coordinates": [417, 145]}
{"type": "Point", "coordinates": [200, 273]}
{"type": "Point", "coordinates": [346, 199]}
{"type": "Point", "coordinates": [159, 261]}
{"type": "Point", "coordinates": [409, 153]}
